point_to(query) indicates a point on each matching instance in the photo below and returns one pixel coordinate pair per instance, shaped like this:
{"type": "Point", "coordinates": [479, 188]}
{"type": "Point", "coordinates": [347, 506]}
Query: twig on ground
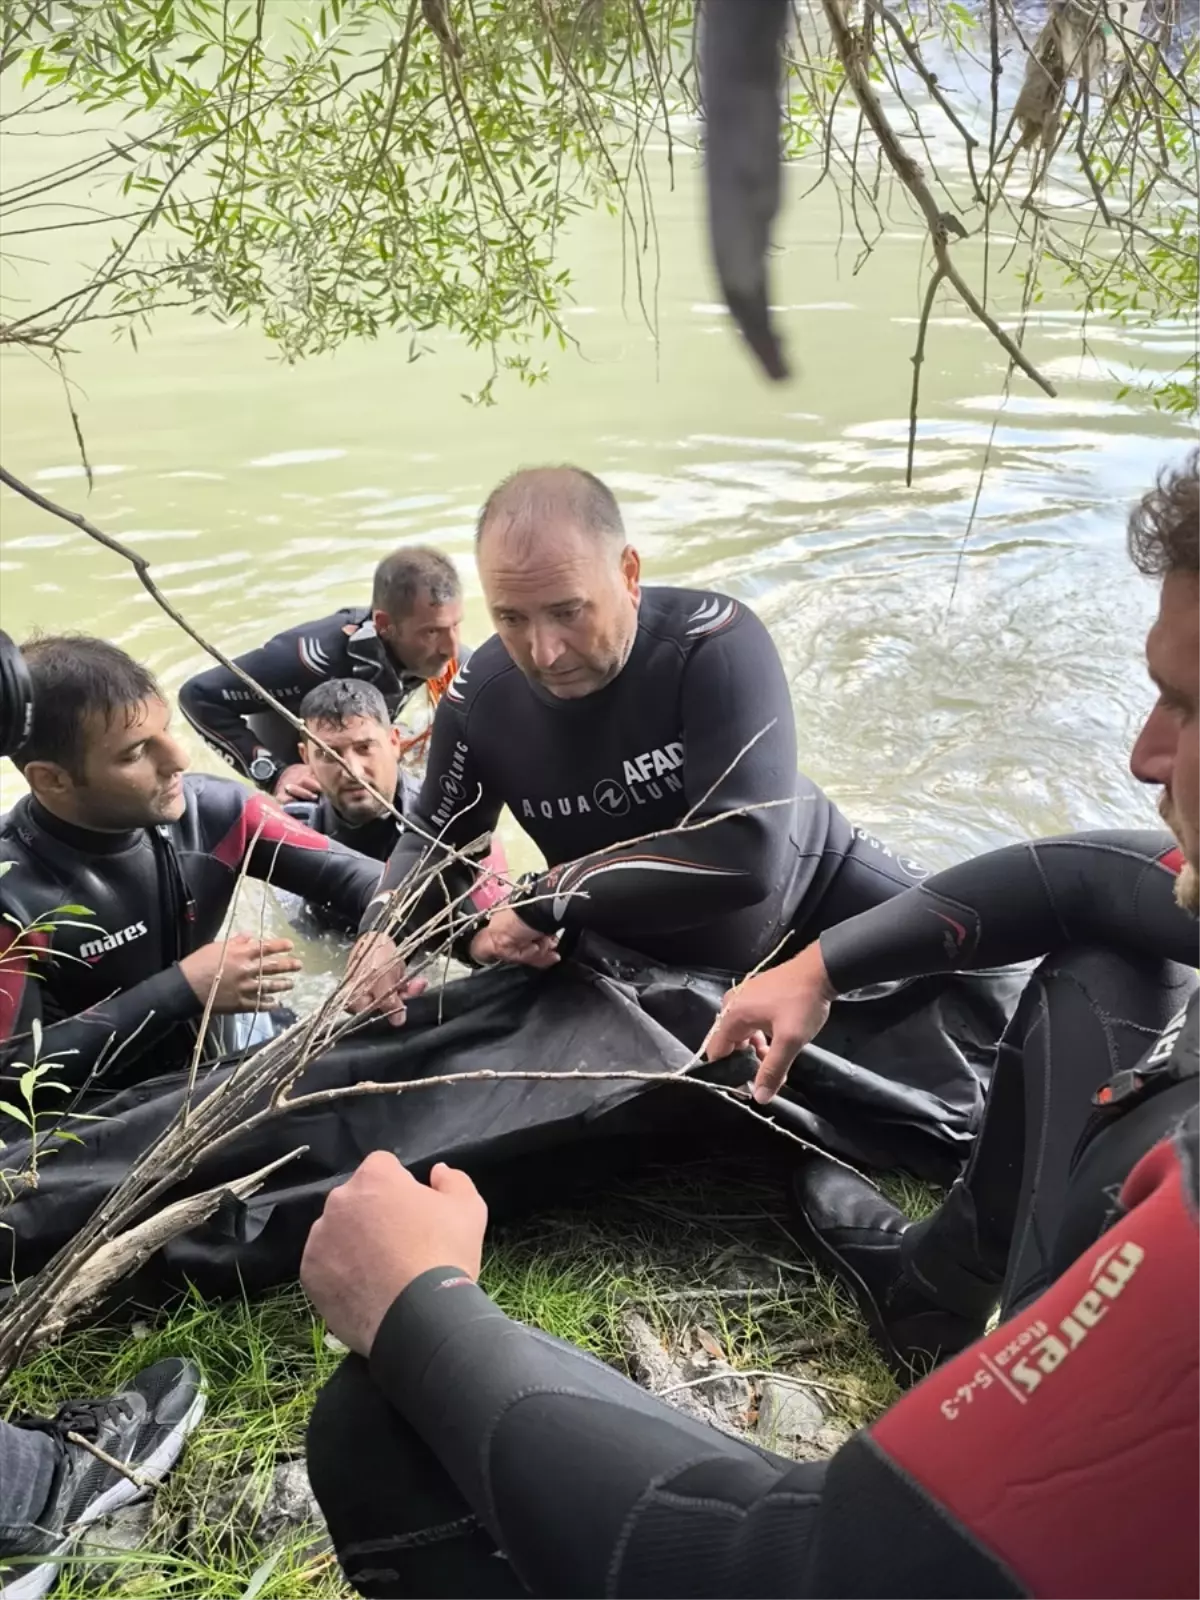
{"type": "Point", "coordinates": [789, 1379]}
{"type": "Point", "coordinates": [122, 1467]}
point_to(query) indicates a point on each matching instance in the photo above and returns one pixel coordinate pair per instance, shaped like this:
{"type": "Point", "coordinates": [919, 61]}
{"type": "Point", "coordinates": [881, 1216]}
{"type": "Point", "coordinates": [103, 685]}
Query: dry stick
{"type": "Point", "coordinates": [918, 358]}
{"type": "Point", "coordinates": [354, 1091]}
{"type": "Point", "coordinates": [851, 55]}
{"type": "Point", "coordinates": [930, 81]}
{"type": "Point", "coordinates": [206, 1014]}
{"type": "Point", "coordinates": [760, 1372]}
{"type": "Point", "coordinates": [122, 1467]}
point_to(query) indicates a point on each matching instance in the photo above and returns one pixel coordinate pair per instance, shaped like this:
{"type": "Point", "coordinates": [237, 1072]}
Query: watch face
{"type": "Point", "coordinates": [262, 768]}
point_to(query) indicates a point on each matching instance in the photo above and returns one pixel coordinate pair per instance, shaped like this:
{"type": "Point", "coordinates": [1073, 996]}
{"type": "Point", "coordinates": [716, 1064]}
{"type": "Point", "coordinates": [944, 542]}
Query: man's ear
{"type": "Point", "coordinates": [631, 571]}
{"type": "Point", "coordinates": [48, 778]}
{"type": "Point", "coordinates": [304, 751]}
{"type": "Point", "coordinates": [383, 624]}
{"type": "Point", "coordinates": [396, 738]}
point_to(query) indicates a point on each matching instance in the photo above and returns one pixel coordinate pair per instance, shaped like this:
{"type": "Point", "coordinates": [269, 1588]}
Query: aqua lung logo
{"type": "Point", "coordinates": [650, 776]}
{"type": "Point", "coordinates": [610, 797]}
{"type": "Point", "coordinates": [95, 948]}
{"type": "Point", "coordinates": [452, 786]}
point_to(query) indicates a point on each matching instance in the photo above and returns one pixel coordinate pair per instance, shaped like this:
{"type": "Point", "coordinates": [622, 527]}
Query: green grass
{"type": "Point", "coordinates": [699, 1247]}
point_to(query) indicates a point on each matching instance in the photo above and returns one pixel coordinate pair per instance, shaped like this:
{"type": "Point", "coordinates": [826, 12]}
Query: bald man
{"type": "Point", "coordinates": [644, 738]}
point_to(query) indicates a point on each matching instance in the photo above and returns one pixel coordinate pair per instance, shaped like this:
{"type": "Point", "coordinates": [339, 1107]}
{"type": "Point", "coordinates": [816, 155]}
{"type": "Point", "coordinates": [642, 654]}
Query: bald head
{"type": "Point", "coordinates": [538, 500]}
{"type": "Point", "coordinates": [560, 581]}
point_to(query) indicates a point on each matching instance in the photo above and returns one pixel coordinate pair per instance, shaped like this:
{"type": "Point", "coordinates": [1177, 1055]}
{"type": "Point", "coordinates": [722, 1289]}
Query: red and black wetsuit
{"type": "Point", "coordinates": [1057, 1456]}
{"type": "Point", "coordinates": [103, 982]}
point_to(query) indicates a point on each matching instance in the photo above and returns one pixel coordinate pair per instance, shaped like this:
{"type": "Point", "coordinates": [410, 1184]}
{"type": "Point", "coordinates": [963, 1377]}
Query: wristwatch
{"type": "Point", "coordinates": [263, 768]}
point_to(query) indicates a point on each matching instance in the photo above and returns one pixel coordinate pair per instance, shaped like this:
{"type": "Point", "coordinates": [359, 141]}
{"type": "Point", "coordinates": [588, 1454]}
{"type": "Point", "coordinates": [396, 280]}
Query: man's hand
{"type": "Point", "coordinates": [297, 783]}
{"type": "Point", "coordinates": [507, 938]}
{"type": "Point", "coordinates": [375, 975]}
{"type": "Point", "coordinates": [252, 972]}
{"type": "Point", "coordinates": [791, 1002]}
{"type": "Point", "coordinates": [381, 1230]}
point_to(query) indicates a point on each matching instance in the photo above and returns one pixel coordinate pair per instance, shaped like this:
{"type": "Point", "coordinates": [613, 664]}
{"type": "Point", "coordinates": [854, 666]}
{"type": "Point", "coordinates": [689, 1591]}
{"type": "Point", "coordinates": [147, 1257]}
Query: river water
{"type": "Point", "coordinates": [264, 495]}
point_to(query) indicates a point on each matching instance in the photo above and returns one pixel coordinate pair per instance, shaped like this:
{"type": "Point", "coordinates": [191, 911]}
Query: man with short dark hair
{"type": "Point", "coordinates": [350, 718]}
{"type": "Point", "coordinates": [118, 871]}
{"type": "Point", "coordinates": [605, 716]}
{"type": "Point", "coordinates": [407, 639]}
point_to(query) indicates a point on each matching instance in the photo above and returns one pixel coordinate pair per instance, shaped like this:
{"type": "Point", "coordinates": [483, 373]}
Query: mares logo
{"type": "Point", "coordinates": [1110, 1278]}
{"type": "Point", "coordinates": [95, 948]}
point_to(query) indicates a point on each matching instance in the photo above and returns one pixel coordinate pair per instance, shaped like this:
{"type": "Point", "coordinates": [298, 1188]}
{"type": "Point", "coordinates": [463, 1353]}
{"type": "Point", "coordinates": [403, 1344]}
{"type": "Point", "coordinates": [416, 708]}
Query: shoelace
{"type": "Point", "coordinates": [77, 1416]}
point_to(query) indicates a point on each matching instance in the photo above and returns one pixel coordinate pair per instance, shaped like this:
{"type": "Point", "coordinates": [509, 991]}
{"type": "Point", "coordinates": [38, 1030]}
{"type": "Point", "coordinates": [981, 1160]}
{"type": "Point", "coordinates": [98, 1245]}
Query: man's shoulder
{"type": "Point", "coordinates": [13, 847]}
{"type": "Point", "coordinates": [687, 617]}
{"type": "Point", "coordinates": [210, 802]}
{"type": "Point", "coordinates": [488, 667]}
{"type": "Point", "coordinates": [323, 635]}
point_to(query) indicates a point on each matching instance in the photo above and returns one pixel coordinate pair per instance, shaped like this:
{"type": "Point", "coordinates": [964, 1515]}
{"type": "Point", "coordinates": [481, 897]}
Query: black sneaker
{"type": "Point", "coordinates": [843, 1222]}
{"type": "Point", "coordinates": [143, 1426]}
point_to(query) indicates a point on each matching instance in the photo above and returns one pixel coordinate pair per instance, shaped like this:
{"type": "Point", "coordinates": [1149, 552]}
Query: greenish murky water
{"type": "Point", "coordinates": [264, 495]}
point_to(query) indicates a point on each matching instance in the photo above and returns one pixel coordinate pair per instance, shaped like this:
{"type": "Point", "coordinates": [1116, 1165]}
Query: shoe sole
{"type": "Point", "coordinates": [811, 1242]}
{"type": "Point", "coordinates": [38, 1581]}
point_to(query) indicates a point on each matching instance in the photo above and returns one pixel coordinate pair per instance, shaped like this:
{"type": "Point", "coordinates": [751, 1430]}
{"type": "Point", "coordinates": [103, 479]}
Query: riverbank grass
{"type": "Point", "coordinates": [694, 1253]}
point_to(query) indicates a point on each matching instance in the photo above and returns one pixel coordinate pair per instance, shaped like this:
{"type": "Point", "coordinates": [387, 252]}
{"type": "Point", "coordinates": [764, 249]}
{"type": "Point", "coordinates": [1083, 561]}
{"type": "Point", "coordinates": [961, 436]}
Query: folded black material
{"type": "Point", "coordinates": [913, 1098]}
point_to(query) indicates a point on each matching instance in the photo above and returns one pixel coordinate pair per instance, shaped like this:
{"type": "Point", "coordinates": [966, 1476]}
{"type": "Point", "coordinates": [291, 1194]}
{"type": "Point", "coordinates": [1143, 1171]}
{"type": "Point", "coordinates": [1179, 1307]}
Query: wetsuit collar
{"type": "Point", "coordinates": [88, 841]}
{"type": "Point", "coordinates": [366, 646]}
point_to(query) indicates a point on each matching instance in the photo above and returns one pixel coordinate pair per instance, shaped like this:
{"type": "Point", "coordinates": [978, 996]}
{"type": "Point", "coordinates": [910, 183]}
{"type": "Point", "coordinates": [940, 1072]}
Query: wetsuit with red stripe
{"type": "Point", "coordinates": [698, 726]}
{"type": "Point", "coordinates": [104, 983]}
{"type": "Point", "coordinates": [1056, 1456]}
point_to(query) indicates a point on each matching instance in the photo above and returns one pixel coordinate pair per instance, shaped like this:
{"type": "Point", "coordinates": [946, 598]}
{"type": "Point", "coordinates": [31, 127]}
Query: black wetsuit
{"type": "Point", "coordinates": [345, 645]}
{"type": "Point", "coordinates": [1018, 1468]}
{"type": "Point", "coordinates": [697, 724]}
{"type": "Point", "coordinates": [376, 838]}
{"type": "Point", "coordinates": [1118, 974]}
{"type": "Point", "coordinates": [104, 983]}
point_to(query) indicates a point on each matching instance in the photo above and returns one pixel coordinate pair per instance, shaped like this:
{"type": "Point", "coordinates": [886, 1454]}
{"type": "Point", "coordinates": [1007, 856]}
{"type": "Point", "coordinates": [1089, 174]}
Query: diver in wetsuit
{"type": "Point", "coordinates": [604, 715]}
{"type": "Point", "coordinates": [351, 719]}
{"type": "Point", "coordinates": [1118, 975]}
{"type": "Point", "coordinates": [456, 1452]}
{"type": "Point", "coordinates": [113, 825]}
{"type": "Point", "coordinates": [406, 640]}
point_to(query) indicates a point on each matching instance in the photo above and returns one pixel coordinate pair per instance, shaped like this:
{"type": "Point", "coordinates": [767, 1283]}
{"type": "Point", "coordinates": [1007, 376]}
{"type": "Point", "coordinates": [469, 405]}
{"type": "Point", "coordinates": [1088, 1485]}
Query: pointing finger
{"type": "Point", "coordinates": [773, 1069]}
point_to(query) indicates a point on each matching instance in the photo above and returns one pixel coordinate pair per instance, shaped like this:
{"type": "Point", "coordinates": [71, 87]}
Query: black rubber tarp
{"type": "Point", "coordinates": [913, 1099]}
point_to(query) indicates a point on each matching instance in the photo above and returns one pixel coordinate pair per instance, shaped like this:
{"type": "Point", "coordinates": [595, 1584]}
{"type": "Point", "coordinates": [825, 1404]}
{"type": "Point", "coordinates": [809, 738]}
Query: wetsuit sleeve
{"type": "Point", "coordinates": [286, 852]}
{"type": "Point", "coordinates": [739, 750]}
{"type": "Point", "coordinates": [454, 808]}
{"type": "Point", "coordinates": [1080, 1413]}
{"type": "Point", "coordinates": [130, 1023]}
{"type": "Point", "coordinates": [208, 699]}
{"type": "Point", "coordinates": [1112, 888]}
